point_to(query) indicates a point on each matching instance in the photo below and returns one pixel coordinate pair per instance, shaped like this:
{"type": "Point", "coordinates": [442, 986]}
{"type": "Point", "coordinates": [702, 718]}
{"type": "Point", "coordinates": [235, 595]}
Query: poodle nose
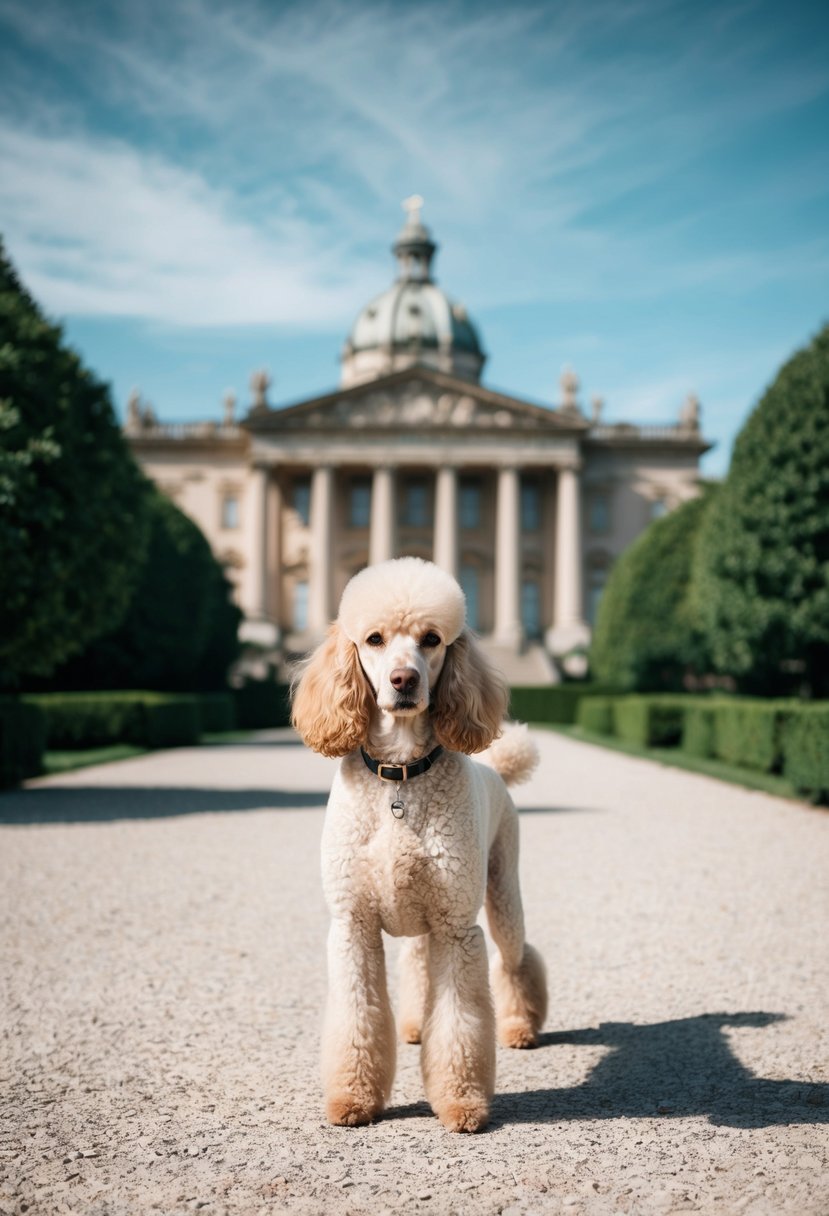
{"type": "Point", "coordinates": [405, 679]}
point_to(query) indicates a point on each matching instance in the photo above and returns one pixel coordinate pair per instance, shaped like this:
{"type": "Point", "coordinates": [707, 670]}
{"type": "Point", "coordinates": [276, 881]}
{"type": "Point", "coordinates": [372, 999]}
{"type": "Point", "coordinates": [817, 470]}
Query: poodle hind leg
{"type": "Point", "coordinates": [458, 1053]}
{"type": "Point", "coordinates": [518, 976]}
{"type": "Point", "coordinates": [414, 987]}
{"type": "Point", "coordinates": [358, 1043]}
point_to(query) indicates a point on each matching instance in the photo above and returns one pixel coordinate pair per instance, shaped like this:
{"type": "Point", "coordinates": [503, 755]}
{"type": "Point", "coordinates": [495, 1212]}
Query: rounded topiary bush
{"type": "Point", "coordinates": [762, 569]}
{"type": "Point", "coordinates": [646, 636]}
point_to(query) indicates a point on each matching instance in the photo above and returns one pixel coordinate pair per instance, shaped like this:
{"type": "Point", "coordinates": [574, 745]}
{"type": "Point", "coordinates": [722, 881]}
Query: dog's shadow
{"type": "Point", "coordinates": [673, 1069]}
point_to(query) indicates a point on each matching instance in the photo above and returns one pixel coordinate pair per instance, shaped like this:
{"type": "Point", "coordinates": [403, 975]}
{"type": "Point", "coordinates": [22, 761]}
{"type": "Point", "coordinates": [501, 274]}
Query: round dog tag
{"type": "Point", "coordinates": [398, 809]}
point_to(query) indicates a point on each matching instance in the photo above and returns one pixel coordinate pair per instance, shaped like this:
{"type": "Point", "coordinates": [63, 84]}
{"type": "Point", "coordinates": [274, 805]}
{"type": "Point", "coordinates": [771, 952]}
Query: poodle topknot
{"type": "Point", "coordinates": [404, 595]}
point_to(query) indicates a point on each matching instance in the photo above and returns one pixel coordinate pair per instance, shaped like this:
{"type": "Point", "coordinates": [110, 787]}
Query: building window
{"type": "Point", "coordinates": [531, 608]}
{"type": "Point", "coordinates": [230, 511]}
{"type": "Point", "coordinates": [596, 582]}
{"type": "Point", "coordinates": [658, 508]}
{"type": "Point", "coordinates": [416, 504]}
{"type": "Point", "coordinates": [302, 499]}
{"type": "Point", "coordinates": [530, 506]}
{"type": "Point", "coordinates": [300, 607]}
{"type": "Point", "coordinates": [469, 582]}
{"type": "Point", "coordinates": [469, 505]}
{"type": "Point", "coordinates": [599, 513]}
{"type": "Point", "coordinates": [359, 504]}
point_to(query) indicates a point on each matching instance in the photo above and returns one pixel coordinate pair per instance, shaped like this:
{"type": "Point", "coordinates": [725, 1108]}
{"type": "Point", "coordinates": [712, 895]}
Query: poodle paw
{"type": "Point", "coordinates": [410, 1032]}
{"type": "Point", "coordinates": [517, 1032]}
{"type": "Point", "coordinates": [345, 1110]}
{"type": "Point", "coordinates": [467, 1115]}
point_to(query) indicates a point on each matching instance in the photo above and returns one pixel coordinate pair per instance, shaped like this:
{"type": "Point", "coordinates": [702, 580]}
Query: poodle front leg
{"type": "Point", "coordinates": [358, 1045]}
{"type": "Point", "coordinates": [458, 1053]}
{"type": "Point", "coordinates": [414, 987]}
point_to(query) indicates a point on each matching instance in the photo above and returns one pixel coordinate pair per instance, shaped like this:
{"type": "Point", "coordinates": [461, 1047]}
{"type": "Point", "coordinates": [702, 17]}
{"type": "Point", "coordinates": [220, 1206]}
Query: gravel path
{"type": "Point", "coordinates": [163, 973]}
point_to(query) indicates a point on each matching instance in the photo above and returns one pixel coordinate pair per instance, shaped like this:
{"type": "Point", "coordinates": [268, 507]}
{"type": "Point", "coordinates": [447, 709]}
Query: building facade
{"type": "Point", "coordinates": [527, 505]}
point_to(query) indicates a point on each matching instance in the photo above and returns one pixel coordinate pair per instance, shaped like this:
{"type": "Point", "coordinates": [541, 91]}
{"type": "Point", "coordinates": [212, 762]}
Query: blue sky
{"type": "Point", "coordinates": [198, 188]}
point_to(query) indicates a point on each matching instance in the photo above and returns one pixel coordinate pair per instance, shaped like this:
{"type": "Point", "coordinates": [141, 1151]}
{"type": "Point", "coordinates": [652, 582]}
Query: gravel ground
{"type": "Point", "coordinates": [163, 974]}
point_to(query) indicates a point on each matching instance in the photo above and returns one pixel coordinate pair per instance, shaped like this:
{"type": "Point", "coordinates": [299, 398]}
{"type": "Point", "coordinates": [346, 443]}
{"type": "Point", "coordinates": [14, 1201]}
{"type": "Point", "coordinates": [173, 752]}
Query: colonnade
{"type": "Point", "coordinates": [567, 614]}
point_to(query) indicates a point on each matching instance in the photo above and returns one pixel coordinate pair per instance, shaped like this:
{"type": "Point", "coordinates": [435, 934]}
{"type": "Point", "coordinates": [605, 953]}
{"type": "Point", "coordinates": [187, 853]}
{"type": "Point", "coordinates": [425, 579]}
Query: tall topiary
{"type": "Point", "coordinates": [762, 575]}
{"type": "Point", "coordinates": [180, 629]}
{"type": "Point", "coordinates": [646, 637]}
{"type": "Point", "coordinates": [73, 529]}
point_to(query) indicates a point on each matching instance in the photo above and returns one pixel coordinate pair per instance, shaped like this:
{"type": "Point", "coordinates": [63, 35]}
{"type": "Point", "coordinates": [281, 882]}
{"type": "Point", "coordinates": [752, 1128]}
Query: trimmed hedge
{"type": "Point", "coordinates": [261, 704]}
{"type": "Point", "coordinates": [772, 736]}
{"type": "Point", "coordinates": [699, 729]}
{"type": "Point", "coordinates": [22, 741]}
{"type": "Point", "coordinates": [596, 714]}
{"type": "Point", "coordinates": [648, 721]}
{"type": "Point", "coordinates": [145, 719]}
{"type": "Point", "coordinates": [750, 733]}
{"type": "Point", "coordinates": [217, 711]}
{"type": "Point", "coordinates": [557, 703]}
{"type": "Point", "coordinates": [806, 751]}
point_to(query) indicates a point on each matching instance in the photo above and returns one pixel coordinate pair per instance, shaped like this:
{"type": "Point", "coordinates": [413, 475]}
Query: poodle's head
{"type": "Point", "coordinates": [399, 646]}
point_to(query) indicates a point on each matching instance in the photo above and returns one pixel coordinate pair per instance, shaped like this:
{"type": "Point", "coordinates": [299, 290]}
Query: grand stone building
{"type": "Point", "coordinates": [527, 505]}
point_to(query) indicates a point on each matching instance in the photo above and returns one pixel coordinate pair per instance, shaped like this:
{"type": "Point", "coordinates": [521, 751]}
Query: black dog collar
{"type": "Point", "coordinates": [401, 772]}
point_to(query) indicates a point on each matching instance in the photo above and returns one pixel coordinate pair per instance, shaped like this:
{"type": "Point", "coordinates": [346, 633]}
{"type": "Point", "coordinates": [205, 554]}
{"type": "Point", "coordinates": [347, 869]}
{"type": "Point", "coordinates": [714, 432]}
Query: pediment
{"type": "Point", "coordinates": [415, 400]}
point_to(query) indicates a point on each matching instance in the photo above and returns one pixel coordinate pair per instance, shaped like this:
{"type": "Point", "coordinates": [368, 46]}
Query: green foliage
{"type": "Point", "coordinates": [146, 719]}
{"type": "Point", "coordinates": [750, 733]}
{"type": "Point", "coordinates": [549, 703]}
{"type": "Point", "coordinates": [217, 711]}
{"type": "Point", "coordinates": [648, 721]}
{"type": "Point", "coordinates": [22, 741]}
{"type": "Point", "coordinates": [699, 729]}
{"type": "Point", "coordinates": [261, 704]}
{"type": "Point", "coordinates": [596, 715]}
{"type": "Point", "coordinates": [72, 524]}
{"type": "Point", "coordinates": [762, 571]}
{"type": "Point", "coordinates": [806, 751]}
{"type": "Point", "coordinates": [180, 629]}
{"type": "Point", "coordinates": [646, 636]}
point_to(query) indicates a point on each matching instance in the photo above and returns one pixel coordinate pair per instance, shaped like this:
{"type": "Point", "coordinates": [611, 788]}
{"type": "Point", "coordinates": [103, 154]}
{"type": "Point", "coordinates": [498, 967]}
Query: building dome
{"type": "Point", "coordinates": [414, 322]}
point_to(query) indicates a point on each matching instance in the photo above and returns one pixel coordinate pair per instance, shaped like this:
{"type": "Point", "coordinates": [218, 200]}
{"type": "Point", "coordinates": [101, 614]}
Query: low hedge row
{"type": "Point", "coordinates": [22, 741]}
{"type": "Point", "coordinates": [556, 703]}
{"type": "Point", "coordinates": [146, 719]}
{"type": "Point", "coordinates": [771, 736]}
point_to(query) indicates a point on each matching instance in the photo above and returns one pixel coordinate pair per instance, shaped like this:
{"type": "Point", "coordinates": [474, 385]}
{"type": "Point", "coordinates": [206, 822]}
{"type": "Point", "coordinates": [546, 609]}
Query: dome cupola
{"type": "Point", "coordinates": [414, 322]}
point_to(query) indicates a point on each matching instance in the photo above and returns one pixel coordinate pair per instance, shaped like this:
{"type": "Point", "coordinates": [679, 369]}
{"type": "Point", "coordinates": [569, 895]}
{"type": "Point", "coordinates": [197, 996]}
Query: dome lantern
{"type": "Point", "coordinates": [414, 247]}
{"type": "Point", "coordinates": [414, 322]}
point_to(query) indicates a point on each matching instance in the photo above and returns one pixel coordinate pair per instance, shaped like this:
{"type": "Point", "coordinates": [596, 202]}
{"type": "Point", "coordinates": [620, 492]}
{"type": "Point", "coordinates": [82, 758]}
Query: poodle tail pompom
{"type": "Point", "coordinates": [514, 755]}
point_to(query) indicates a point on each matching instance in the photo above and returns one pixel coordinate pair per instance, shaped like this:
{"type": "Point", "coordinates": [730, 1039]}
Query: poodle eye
{"type": "Point", "coordinates": [430, 640]}
{"type": "Point", "coordinates": [374, 639]}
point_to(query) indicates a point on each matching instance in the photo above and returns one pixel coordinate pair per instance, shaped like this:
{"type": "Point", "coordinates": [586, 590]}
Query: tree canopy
{"type": "Point", "coordinates": [762, 571]}
{"type": "Point", "coordinates": [180, 629]}
{"type": "Point", "coordinates": [646, 636]}
{"type": "Point", "coordinates": [73, 525]}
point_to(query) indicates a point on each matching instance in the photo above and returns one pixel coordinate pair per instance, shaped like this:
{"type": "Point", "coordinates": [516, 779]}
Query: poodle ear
{"type": "Point", "coordinates": [332, 698]}
{"type": "Point", "coordinates": [470, 699]}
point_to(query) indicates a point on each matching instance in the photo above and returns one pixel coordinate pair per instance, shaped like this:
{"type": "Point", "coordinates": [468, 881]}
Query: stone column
{"type": "Point", "coordinates": [508, 630]}
{"type": "Point", "coordinates": [273, 565]}
{"type": "Point", "coordinates": [381, 537]}
{"type": "Point", "coordinates": [259, 543]}
{"type": "Point", "coordinates": [321, 557]}
{"type": "Point", "coordinates": [258, 625]}
{"type": "Point", "coordinates": [445, 549]}
{"type": "Point", "coordinates": [569, 628]}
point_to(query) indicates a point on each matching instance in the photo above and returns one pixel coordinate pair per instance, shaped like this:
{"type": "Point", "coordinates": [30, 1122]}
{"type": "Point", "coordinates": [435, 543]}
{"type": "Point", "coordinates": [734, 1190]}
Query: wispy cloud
{"type": "Point", "coordinates": [235, 164]}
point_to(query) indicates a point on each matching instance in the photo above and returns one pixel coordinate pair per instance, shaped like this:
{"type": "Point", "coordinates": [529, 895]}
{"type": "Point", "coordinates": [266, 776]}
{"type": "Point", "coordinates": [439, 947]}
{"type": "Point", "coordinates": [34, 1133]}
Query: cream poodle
{"type": "Point", "coordinates": [417, 837]}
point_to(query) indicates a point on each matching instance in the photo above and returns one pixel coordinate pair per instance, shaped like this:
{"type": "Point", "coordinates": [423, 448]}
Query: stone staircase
{"type": "Point", "coordinates": [532, 665]}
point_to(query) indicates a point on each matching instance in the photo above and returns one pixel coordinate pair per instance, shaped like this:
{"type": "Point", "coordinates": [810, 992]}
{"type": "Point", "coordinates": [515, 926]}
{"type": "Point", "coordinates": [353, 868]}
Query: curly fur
{"type": "Point", "coordinates": [397, 674]}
